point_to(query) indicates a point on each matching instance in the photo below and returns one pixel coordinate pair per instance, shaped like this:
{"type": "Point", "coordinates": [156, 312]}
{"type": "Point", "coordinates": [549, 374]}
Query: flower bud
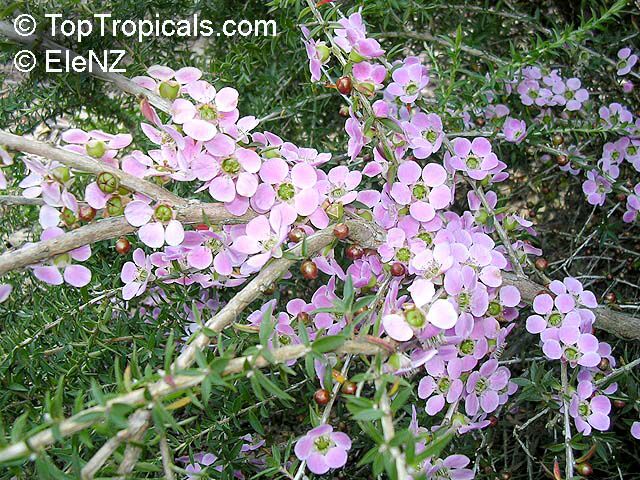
{"type": "Point", "coordinates": [86, 213]}
{"type": "Point", "coordinates": [323, 52]}
{"type": "Point", "coordinates": [355, 57]}
{"type": "Point", "coordinates": [107, 182]}
{"type": "Point", "coordinates": [343, 84]}
{"type": "Point", "coordinates": [96, 148]}
{"type": "Point", "coordinates": [335, 211]}
{"type": "Point", "coordinates": [169, 89]}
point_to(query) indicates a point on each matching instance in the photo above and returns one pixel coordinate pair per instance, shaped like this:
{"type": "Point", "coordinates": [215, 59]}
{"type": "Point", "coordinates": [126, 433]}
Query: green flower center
{"type": "Point", "coordinates": [555, 319]}
{"type": "Point", "coordinates": [142, 275]}
{"type": "Point", "coordinates": [473, 162]}
{"type": "Point", "coordinates": [323, 444]}
{"type": "Point", "coordinates": [632, 150]}
{"type": "Point", "coordinates": [415, 318]}
{"type": "Point", "coordinates": [481, 386]}
{"type": "Point", "coordinates": [584, 410]}
{"type": "Point", "coordinates": [214, 245]}
{"type": "Point", "coordinates": [163, 213]}
{"type": "Point", "coordinates": [420, 192]}
{"type": "Point", "coordinates": [230, 166]}
{"type": "Point", "coordinates": [495, 309]}
{"type": "Point", "coordinates": [425, 237]}
{"type": "Point", "coordinates": [284, 340]}
{"type": "Point", "coordinates": [569, 94]}
{"type": "Point", "coordinates": [62, 260]}
{"type": "Point", "coordinates": [571, 353]}
{"type": "Point", "coordinates": [411, 89]}
{"type": "Point", "coordinates": [269, 244]}
{"type": "Point", "coordinates": [114, 206]}
{"type": "Point", "coordinates": [403, 254]}
{"type": "Point", "coordinates": [338, 192]}
{"type": "Point", "coordinates": [208, 112]}
{"type": "Point", "coordinates": [467, 346]}
{"type": "Point", "coordinates": [286, 191]}
{"type": "Point", "coordinates": [464, 300]}
{"type": "Point", "coordinates": [430, 136]}
{"type": "Point", "coordinates": [444, 384]}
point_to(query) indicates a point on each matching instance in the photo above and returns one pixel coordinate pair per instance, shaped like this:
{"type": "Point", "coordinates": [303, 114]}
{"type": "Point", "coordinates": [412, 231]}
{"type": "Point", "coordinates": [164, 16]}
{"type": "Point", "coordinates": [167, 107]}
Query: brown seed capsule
{"type": "Point", "coordinates": [610, 297]}
{"type": "Point", "coordinates": [584, 469]}
{"type": "Point", "coordinates": [343, 84]}
{"type": "Point", "coordinates": [505, 476]}
{"type": "Point", "coordinates": [296, 235]}
{"type": "Point", "coordinates": [304, 317]}
{"type": "Point", "coordinates": [493, 421]}
{"type": "Point", "coordinates": [341, 231]}
{"type": "Point", "coordinates": [558, 139]}
{"type": "Point", "coordinates": [562, 160]}
{"type": "Point", "coordinates": [397, 269]}
{"type": "Point", "coordinates": [344, 111]}
{"type": "Point", "coordinates": [349, 388]}
{"type": "Point", "coordinates": [619, 403]}
{"type": "Point", "coordinates": [604, 364]}
{"type": "Point", "coordinates": [322, 396]}
{"type": "Point", "coordinates": [123, 246]}
{"type": "Point", "coordinates": [541, 264]}
{"type": "Point", "coordinates": [532, 213]}
{"type": "Point", "coordinates": [86, 213]}
{"type": "Point", "coordinates": [621, 197]}
{"type": "Point", "coordinates": [309, 270]}
{"type": "Point", "coordinates": [353, 252]}
{"type": "Point", "coordinates": [269, 289]}
{"type": "Point", "coordinates": [480, 121]}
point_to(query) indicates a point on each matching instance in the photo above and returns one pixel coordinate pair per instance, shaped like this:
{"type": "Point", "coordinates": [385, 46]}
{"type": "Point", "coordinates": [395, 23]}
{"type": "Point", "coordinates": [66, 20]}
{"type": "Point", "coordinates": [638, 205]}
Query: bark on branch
{"type": "Point", "coordinates": [89, 165]}
{"type": "Point", "coordinates": [106, 229]}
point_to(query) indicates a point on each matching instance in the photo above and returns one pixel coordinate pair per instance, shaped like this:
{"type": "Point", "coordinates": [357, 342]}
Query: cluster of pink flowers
{"type": "Point", "coordinates": [445, 302]}
{"type": "Point", "coordinates": [564, 319]}
{"type": "Point", "coordinates": [541, 88]}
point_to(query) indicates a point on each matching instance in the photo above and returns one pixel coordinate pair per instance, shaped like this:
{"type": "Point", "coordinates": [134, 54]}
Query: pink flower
{"type": "Point", "coordinates": [627, 61]}
{"type": "Point", "coordinates": [165, 228]}
{"type": "Point", "coordinates": [369, 77]}
{"type": "Point", "coordinates": [262, 241]}
{"type": "Point", "coordinates": [323, 449]}
{"type": "Point", "coordinates": [213, 111]}
{"type": "Point", "coordinates": [352, 38]}
{"type": "Point", "coordinates": [207, 248]}
{"type": "Point", "coordinates": [167, 82]}
{"type": "Point", "coordinates": [423, 190]}
{"type": "Point", "coordinates": [474, 158]}
{"type": "Point", "coordinates": [408, 82]}
{"type": "Point", "coordinates": [589, 412]}
{"type": "Point", "coordinates": [75, 275]}
{"type": "Point", "coordinates": [295, 189]}
{"type": "Point", "coordinates": [234, 178]}
{"type": "Point", "coordinates": [424, 134]}
{"type": "Point", "coordinates": [514, 130]}
{"type": "Point", "coordinates": [317, 52]}
{"type": "Point", "coordinates": [97, 144]}
{"type": "Point", "coordinates": [136, 275]}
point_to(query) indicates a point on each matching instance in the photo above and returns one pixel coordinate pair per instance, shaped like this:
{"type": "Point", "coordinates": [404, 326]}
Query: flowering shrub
{"type": "Point", "coordinates": [395, 274]}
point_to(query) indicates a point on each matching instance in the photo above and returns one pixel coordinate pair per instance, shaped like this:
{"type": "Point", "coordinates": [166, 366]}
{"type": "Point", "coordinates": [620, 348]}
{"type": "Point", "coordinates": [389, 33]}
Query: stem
{"type": "Point", "coordinates": [567, 425]}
